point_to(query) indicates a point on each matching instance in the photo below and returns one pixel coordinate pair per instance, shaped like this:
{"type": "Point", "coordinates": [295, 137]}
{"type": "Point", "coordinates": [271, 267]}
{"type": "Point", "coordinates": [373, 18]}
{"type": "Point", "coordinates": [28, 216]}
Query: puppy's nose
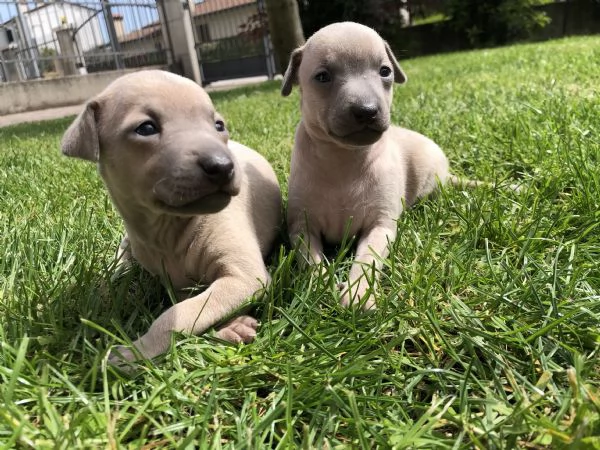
{"type": "Point", "coordinates": [365, 112]}
{"type": "Point", "coordinates": [219, 169]}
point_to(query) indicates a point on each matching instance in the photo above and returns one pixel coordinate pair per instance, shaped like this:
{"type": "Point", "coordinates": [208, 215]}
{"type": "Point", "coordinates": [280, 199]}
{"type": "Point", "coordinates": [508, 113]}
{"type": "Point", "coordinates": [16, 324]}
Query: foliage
{"type": "Point", "coordinates": [47, 60]}
{"type": "Point", "coordinates": [487, 330]}
{"type": "Point", "coordinates": [378, 14]}
{"type": "Point", "coordinates": [255, 26]}
{"type": "Point", "coordinates": [239, 46]}
{"type": "Point", "coordinates": [494, 22]}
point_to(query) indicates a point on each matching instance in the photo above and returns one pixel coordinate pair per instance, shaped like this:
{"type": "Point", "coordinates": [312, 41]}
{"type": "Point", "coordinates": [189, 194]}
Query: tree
{"type": "Point", "coordinates": [377, 14]}
{"type": "Point", "coordinates": [494, 22]}
{"type": "Point", "coordinates": [285, 28]}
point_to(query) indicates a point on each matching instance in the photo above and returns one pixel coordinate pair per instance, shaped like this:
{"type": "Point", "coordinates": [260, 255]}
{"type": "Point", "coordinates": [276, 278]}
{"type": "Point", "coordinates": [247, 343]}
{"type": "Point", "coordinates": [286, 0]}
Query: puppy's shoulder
{"type": "Point", "coordinates": [247, 155]}
{"type": "Point", "coordinates": [410, 141]}
{"type": "Point", "coordinates": [407, 136]}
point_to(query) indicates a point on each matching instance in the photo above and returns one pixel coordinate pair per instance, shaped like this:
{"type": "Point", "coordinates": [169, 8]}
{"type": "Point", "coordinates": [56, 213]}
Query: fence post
{"type": "Point", "coordinates": [12, 66]}
{"type": "Point", "coordinates": [267, 44]}
{"type": "Point", "coordinates": [31, 68]}
{"type": "Point", "coordinates": [178, 19]}
{"type": "Point", "coordinates": [112, 35]}
{"type": "Point", "coordinates": [64, 36]}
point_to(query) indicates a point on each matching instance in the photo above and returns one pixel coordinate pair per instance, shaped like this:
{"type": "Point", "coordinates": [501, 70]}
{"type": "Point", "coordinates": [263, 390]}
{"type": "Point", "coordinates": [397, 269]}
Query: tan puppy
{"type": "Point", "coordinates": [197, 208]}
{"type": "Point", "coordinates": [351, 171]}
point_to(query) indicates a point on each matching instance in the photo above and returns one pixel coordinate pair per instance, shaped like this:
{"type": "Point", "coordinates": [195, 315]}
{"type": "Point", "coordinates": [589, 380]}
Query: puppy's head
{"type": "Point", "coordinates": [159, 143]}
{"type": "Point", "coordinates": [345, 72]}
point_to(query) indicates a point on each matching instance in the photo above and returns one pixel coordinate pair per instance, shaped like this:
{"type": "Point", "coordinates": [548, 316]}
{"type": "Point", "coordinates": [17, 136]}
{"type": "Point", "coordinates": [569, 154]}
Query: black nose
{"type": "Point", "coordinates": [219, 169]}
{"type": "Point", "coordinates": [365, 112]}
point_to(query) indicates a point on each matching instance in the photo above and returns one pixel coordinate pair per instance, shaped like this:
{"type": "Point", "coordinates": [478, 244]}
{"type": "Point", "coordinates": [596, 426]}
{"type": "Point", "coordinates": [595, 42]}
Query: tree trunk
{"type": "Point", "coordinates": [285, 28]}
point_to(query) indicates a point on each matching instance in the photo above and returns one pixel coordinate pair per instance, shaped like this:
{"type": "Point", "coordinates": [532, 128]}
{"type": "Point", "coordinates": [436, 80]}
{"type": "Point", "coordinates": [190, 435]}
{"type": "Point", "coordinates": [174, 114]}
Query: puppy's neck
{"type": "Point", "coordinates": [157, 231]}
{"type": "Point", "coordinates": [334, 155]}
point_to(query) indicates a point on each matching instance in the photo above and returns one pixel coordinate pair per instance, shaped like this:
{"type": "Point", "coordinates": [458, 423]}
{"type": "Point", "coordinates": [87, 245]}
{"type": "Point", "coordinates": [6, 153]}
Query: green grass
{"type": "Point", "coordinates": [487, 335]}
{"type": "Point", "coordinates": [433, 18]}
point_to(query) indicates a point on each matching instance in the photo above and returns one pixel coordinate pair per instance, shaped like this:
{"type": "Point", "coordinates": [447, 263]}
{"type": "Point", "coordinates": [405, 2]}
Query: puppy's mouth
{"type": "Point", "coordinates": [198, 200]}
{"type": "Point", "coordinates": [367, 135]}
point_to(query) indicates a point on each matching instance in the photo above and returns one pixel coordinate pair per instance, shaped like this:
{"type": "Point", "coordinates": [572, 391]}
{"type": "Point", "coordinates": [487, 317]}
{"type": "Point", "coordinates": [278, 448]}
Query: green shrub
{"type": "Point", "coordinates": [494, 22]}
{"type": "Point", "coordinates": [378, 14]}
{"type": "Point", "coordinates": [230, 48]}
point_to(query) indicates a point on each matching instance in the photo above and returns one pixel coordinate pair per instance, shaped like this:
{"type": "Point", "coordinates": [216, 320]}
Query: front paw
{"type": "Point", "coordinates": [123, 358]}
{"type": "Point", "coordinates": [359, 296]}
{"type": "Point", "coordinates": [242, 329]}
{"type": "Point", "coordinates": [148, 346]}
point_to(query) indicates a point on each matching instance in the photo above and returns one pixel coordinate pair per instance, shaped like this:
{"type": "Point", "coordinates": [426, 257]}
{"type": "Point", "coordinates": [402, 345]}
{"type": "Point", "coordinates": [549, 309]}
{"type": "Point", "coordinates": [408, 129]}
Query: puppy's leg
{"type": "Point", "coordinates": [195, 315]}
{"type": "Point", "coordinates": [371, 249]}
{"type": "Point", "coordinates": [302, 233]}
{"type": "Point", "coordinates": [466, 183]}
{"type": "Point", "coordinates": [310, 247]}
{"type": "Point", "coordinates": [123, 258]}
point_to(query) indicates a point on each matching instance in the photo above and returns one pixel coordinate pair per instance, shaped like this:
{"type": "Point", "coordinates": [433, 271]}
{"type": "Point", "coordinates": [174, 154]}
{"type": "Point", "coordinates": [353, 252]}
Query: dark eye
{"type": "Point", "coordinates": [148, 128]}
{"type": "Point", "coordinates": [385, 71]}
{"type": "Point", "coordinates": [323, 77]}
{"type": "Point", "coordinates": [220, 126]}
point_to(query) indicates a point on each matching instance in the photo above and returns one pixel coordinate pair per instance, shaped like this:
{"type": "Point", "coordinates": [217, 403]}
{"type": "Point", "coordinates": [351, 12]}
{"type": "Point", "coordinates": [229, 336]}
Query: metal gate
{"type": "Point", "coordinates": [44, 39]}
{"type": "Point", "coordinates": [232, 39]}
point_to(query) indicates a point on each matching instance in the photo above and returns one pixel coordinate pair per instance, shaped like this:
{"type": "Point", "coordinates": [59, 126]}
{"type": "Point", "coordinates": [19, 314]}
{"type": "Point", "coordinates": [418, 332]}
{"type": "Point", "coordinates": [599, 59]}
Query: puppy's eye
{"type": "Point", "coordinates": [385, 71]}
{"type": "Point", "coordinates": [323, 77]}
{"type": "Point", "coordinates": [147, 128]}
{"type": "Point", "coordinates": [220, 126]}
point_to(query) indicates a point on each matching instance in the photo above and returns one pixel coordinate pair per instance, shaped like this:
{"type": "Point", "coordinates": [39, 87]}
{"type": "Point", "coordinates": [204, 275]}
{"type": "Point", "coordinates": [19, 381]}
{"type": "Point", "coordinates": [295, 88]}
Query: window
{"type": "Point", "coordinates": [203, 32]}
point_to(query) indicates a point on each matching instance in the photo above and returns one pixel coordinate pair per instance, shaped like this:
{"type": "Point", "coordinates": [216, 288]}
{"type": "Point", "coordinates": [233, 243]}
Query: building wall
{"type": "Point", "coordinates": [226, 23]}
{"type": "Point", "coordinates": [145, 44]}
{"type": "Point", "coordinates": [43, 22]}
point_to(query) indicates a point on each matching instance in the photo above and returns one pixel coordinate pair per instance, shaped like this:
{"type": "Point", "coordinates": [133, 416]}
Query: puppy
{"type": "Point", "coordinates": [351, 171]}
{"type": "Point", "coordinates": [197, 207]}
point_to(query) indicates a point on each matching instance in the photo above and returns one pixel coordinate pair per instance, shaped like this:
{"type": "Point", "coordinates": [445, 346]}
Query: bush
{"type": "Point", "coordinates": [494, 22]}
{"type": "Point", "coordinates": [378, 14]}
{"type": "Point", "coordinates": [231, 48]}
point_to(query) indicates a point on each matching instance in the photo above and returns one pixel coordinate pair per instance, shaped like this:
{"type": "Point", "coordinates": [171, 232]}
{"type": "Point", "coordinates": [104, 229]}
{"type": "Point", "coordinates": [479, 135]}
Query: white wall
{"type": "Point", "coordinates": [43, 22]}
{"type": "Point", "coordinates": [226, 23]}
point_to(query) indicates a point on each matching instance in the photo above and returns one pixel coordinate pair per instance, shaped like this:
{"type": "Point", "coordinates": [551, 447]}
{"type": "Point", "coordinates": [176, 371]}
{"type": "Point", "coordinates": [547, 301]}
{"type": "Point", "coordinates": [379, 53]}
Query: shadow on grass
{"type": "Point", "coordinates": [254, 89]}
{"type": "Point", "coordinates": [37, 129]}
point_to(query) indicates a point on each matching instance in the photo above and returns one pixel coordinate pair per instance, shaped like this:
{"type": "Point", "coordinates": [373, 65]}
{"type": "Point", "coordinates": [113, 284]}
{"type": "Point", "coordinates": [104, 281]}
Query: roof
{"type": "Point", "coordinates": [212, 6]}
{"type": "Point", "coordinates": [57, 3]}
{"type": "Point", "coordinates": [147, 31]}
{"type": "Point", "coordinates": [201, 9]}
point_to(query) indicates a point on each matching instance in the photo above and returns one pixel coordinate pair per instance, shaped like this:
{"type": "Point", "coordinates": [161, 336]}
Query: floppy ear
{"type": "Point", "coordinates": [399, 75]}
{"type": "Point", "coordinates": [81, 138]}
{"type": "Point", "coordinates": [291, 74]}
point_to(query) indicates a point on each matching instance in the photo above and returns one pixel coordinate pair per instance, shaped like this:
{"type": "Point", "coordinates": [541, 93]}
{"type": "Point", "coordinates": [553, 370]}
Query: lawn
{"type": "Point", "coordinates": [487, 333]}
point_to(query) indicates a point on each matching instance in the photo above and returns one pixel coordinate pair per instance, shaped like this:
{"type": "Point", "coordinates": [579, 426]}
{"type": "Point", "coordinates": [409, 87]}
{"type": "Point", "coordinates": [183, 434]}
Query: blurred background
{"type": "Point", "coordinates": [212, 41]}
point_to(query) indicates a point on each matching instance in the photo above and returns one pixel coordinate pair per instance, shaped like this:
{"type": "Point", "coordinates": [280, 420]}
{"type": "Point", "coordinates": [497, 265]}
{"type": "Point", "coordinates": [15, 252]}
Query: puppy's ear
{"type": "Point", "coordinates": [399, 75]}
{"type": "Point", "coordinates": [81, 138]}
{"type": "Point", "coordinates": [291, 74]}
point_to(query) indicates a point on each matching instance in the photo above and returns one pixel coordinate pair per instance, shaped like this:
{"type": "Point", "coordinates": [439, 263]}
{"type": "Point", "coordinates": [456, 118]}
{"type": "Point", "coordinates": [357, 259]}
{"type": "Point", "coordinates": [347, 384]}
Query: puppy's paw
{"type": "Point", "coordinates": [123, 358]}
{"type": "Point", "coordinates": [121, 270]}
{"type": "Point", "coordinates": [241, 329]}
{"type": "Point", "coordinates": [320, 271]}
{"type": "Point", "coordinates": [356, 297]}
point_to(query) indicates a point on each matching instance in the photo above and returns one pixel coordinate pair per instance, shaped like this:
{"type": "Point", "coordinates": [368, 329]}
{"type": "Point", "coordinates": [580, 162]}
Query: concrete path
{"type": "Point", "coordinates": [58, 113]}
{"type": "Point", "coordinates": [36, 116]}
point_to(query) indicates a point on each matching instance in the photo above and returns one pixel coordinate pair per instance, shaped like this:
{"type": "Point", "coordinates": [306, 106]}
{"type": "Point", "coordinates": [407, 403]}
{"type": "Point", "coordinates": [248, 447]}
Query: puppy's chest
{"type": "Point", "coordinates": [167, 266]}
{"type": "Point", "coordinates": [348, 207]}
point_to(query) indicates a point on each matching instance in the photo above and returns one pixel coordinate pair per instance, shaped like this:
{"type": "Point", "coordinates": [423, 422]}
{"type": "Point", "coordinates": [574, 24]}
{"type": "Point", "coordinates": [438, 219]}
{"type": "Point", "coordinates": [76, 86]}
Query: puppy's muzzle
{"type": "Point", "coordinates": [364, 113]}
{"type": "Point", "coordinates": [358, 123]}
{"type": "Point", "coordinates": [219, 169]}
